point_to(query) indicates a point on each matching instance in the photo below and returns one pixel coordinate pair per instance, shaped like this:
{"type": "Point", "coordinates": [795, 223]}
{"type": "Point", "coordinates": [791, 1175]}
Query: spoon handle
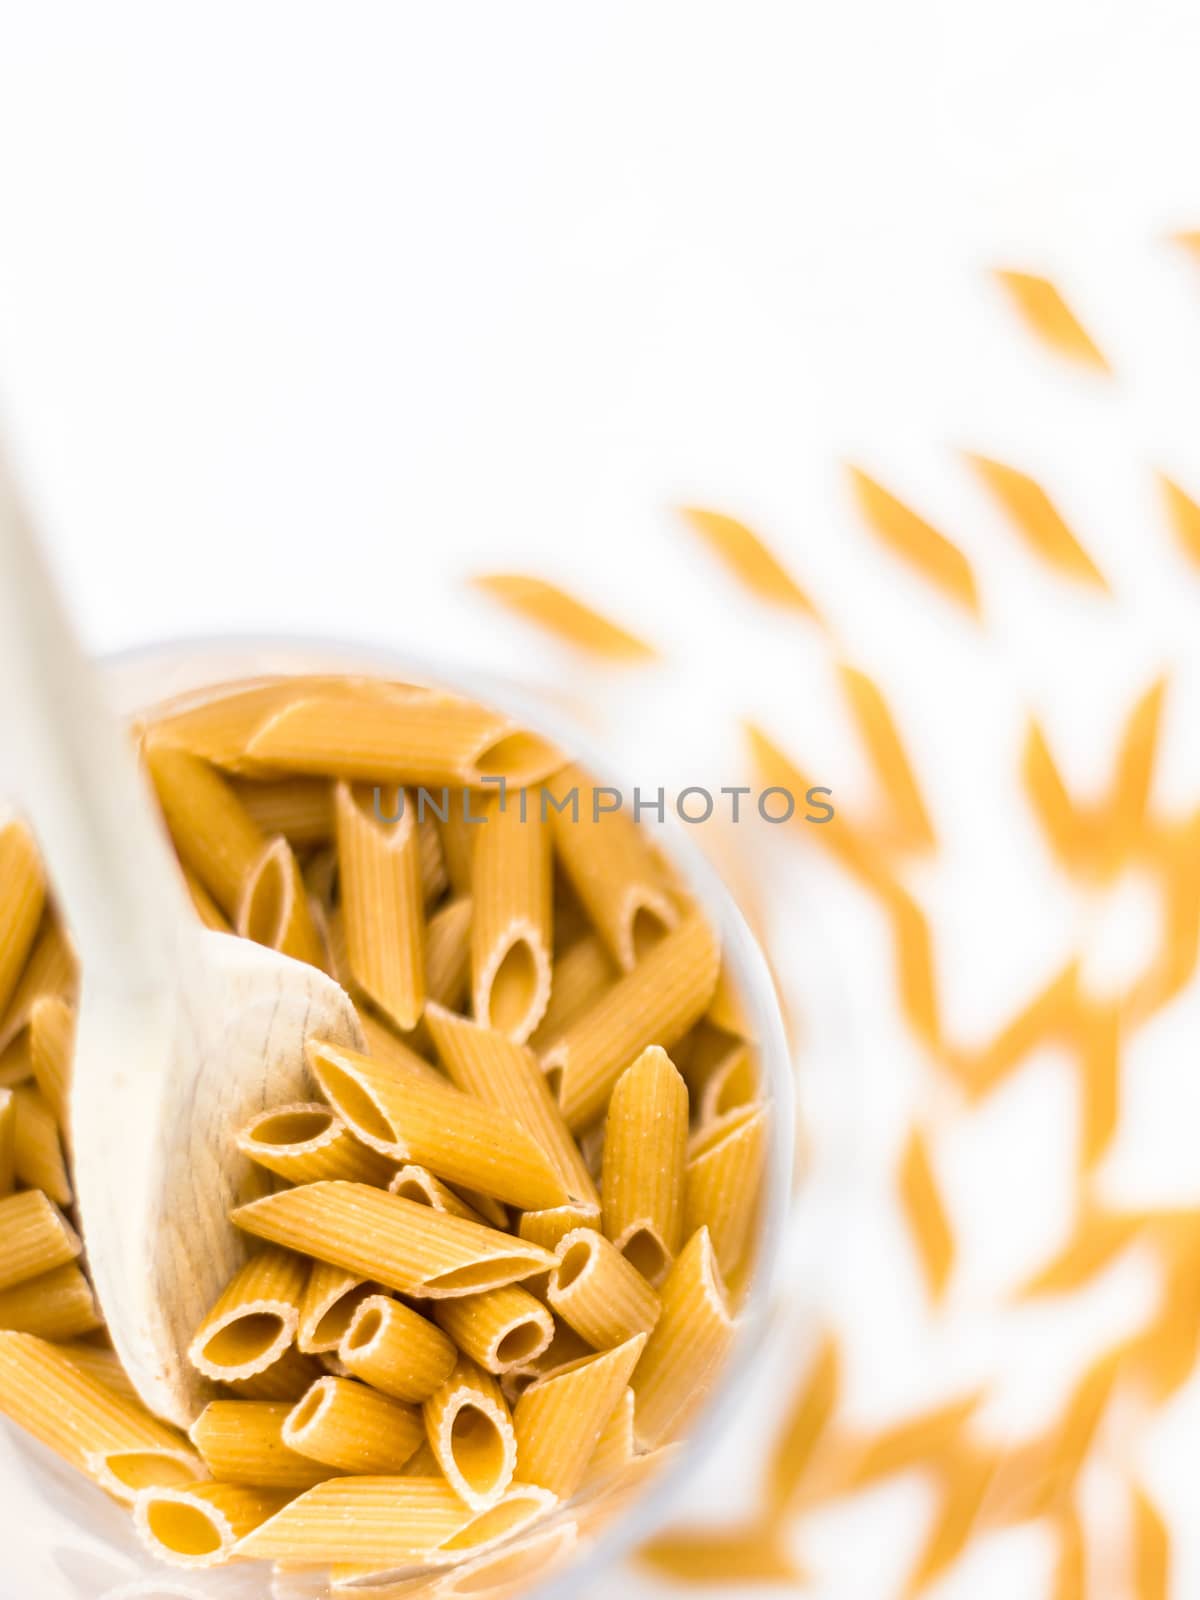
{"type": "Point", "coordinates": [71, 768]}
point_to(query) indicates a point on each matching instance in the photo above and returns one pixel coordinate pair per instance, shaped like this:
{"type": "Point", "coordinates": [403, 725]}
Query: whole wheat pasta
{"type": "Point", "coordinates": [22, 900]}
{"type": "Point", "coordinates": [52, 1051]}
{"type": "Point", "coordinates": [363, 1520]}
{"type": "Point", "coordinates": [725, 1168]}
{"type": "Point", "coordinates": [403, 1245]}
{"type": "Point", "coordinates": [353, 1428]}
{"type": "Point", "coordinates": [306, 1142]}
{"type": "Point", "coordinates": [548, 1228]}
{"type": "Point", "coordinates": [596, 1290]}
{"type": "Point", "coordinates": [51, 969]}
{"type": "Point", "coordinates": [114, 1441]}
{"type": "Point", "coordinates": [207, 909]}
{"type": "Point", "coordinates": [331, 1297]}
{"type": "Point", "coordinates": [37, 1150]}
{"type": "Point", "coordinates": [413, 1118]}
{"type": "Point", "coordinates": [213, 833]}
{"type": "Point", "coordinates": [102, 1365]}
{"type": "Point", "coordinates": [255, 1320]}
{"type": "Point", "coordinates": [8, 1142]}
{"type": "Point", "coordinates": [289, 1376]}
{"type": "Point", "coordinates": [470, 1432]}
{"type": "Point", "coordinates": [58, 1305]}
{"type": "Point", "coordinates": [615, 1448]}
{"type": "Point", "coordinates": [200, 1527]}
{"type": "Point", "coordinates": [383, 899]}
{"type": "Point", "coordinates": [656, 1003]}
{"type": "Point", "coordinates": [688, 1344]}
{"type": "Point", "coordinates": [512, 924]}
{"type": "Point", "coordinates": [612, 867]}
{"type": "Point", "coordinates": [35, 1238]}
{"type": "Point", "coordinates": [419, 1184]}
{"type": "Point", "coordinates": [559, 1419]}
{"type": "Point", "coordinates": [645, 1156]}
{"type": "Point", "coordinates": [483, 1062]}
{"type": "Point", "coordinates": [448, 953]}
{"type": "Point", "coordinates": [273, 907]}
{"type": "Point", "coordinates": [301, 809]}
{"type": "Point", "coordinates": [499, 1330]}
{"type": "Point", "coordinates": [241, 1441]}
{"type": "Point", "coordinates": [396, 1351]}
{"type": "Point", "coordinates": [429, 741]}
{"type": "Point", "coordinates": [581, 974]}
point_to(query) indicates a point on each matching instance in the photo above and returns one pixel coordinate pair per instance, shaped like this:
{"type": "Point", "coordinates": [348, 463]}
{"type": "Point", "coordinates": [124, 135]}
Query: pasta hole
{"type": "Point", "coordinates": [514, 988]}
{"type": "Point", "coordinates": [482, 1274]}
{"type": "Point", "coordinates": [293, 1127]}
{"type": "Point", "coordinates": [148, 1469]}
{"type": "Point", "coordinates": [185, 1529]}
{"type": "Point", "coordinates": [366, 1330]}
{"type": "Point", "coordinates": [574, 1263]}
{"type": "Point", "coordinates": [331, 1329]}
{"type": "Point", "coordinates": [520, 1343]}
{"type": "Point", "coordinates": [554, 1077]}
{"type": "Point", "coordinates": [494, 1524]}
{"type": "Point", "coordinates": [478, 1449]}
{"type": "Point", "coordinates": [648, 929]}
{"type": "Point", "coordinates": [643, 1251]}
{"type": "Point", "coordinates": [354, 1103]}
{"type": "Point", "coordinates": [267, 905]}
{"type": "Point", "coordinates": [519, 756]}
{"type": "Point", "coordinates": [413, 1189]}
{"type": "Point", "coordinates": [245, 1340]}
{"type": "Point", "coordinates": [309, 1409]}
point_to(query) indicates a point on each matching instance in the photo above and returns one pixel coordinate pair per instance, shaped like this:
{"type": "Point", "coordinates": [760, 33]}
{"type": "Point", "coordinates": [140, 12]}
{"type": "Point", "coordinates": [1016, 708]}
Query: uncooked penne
{"type": "Point", "coordinates": [470, 1431]}
{"type": "Point", "coordinates": [103, 1365]}
{"type": "Point", "coordinates": [52, 1051]}
{"type": "Point", "coordinates": [411, 1117]}
{"type": "Point", "coordinates": [386, 1045]}
{"type": "Point", "coordinates": [548, 1228]}
{"type": "Point", "coordinates": [458, 831]}
{"type": "Point", "coordinates": [114, 1441]}
{"type": "Point", "coordinates": [512, 926]}
{"type": "Point", "coordinates": [368, 1520]}
{"type": "Point", "coordinates": [273, 907]}
{"type": "Point", "coordinates": [353, 1428]}
{"type": "Point", "coordinates": [301, 809]}
{"type": "Point", "coordinates": [612, 868]}
{"type": "Point", "coordinates": [687, 1346]}
{"type": "Point", "coordinates": [35, 1238]}
{"type": "Point", "coordinates": [306, 1142]}
{"type": "Point", "coordinates": [403, 1245]}
{"type": "Point", "coordinates": [396, 1351]}
{"type": "Point", "coordinates": [724, 1176]}
{"type": "Point", "coordinates": [16, 1061]}
{"type": "Point", "coordinates": [644, 1162]}
{"type": "Point", "coordinates": [37, 1152]}
{"type": "Point", "coordinates": [213, 833]}
{"type": "Point", "coordinates": [596, 1290]}
{"type": "Point", "coordinates": [559, 1419]}
{"type": "Point", "coordinates": [207, 909]}
{"type": "Point", "coordinates": [219, 724]}
{"type": "Point", "coordinates": [383, 898]}
{"type": "Point", "coordinates": [581, 974]}
{"type": "Point", "coordinates": [331, 1298]}
{"type": "Point", "coordinates": [656, 1003]}
{"type": "Point", "coordinates": [498, 1330]}
{"type": "Point", "coordinates": [22, 900]}
{"type": "Point", "coordinates": [51, 969]}
{"type": "Point", "coordinates": [8, 1142]}
{"type": "Point", "coordinates": [448, 953]}
{"type": "Point", "coordinates": [241, 1441]}
{"type": "Point", "coordinates": [508, 1572]}
{"type": "Point", "coordinates": [200, 1526]}
{"type": "Point", "coordinates": [615, 1448]}
{"type": "Point", "coordinates": [288, 1377]}
{"type": "Point", "coordinates": [732, 1084]}
{"type": "Point", "coordinates": [418, 1183]}
{"type": "Point", "coordinates": [255, 1320]}
{"type": "Point", "coordinates": [58, 1305]}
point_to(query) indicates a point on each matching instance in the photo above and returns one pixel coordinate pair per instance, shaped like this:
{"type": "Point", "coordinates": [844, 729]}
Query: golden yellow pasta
{"type": "Point", "coordinates": [306, 1142]}
{"type": "Point", "coordinates": [213, 833]}
{"type": "Point", "coordinates": [273, 907]}
{"type": "Point", "coordinates": [419, 1184]}
{"type": "Point", "coordinates": [615, 1448]}
{"type": "Point", "coordinates": [353, 1428]}
{"type": "Point", "coordinates": [748, 558]}
{"type": "Point", "coordinates": [331, 1298]}
{"type": "Point", "coordinates": [559, 1419]}
{"type": "Point", "coordinates": [403, 1245]}
{"type": "Point", "coordinates": [22, 900]}
{"type": "Point", "coordinates": [725, 1168]}
{"type": "Point", "coordinates": [241, 1441]}
{"type": "Point", "coordinates": [513, 1569]}
{"type": "Point", "coordinates": [57, 1305]}
{"type": "Point", "coordinates": [362, 1519]}
{"type": "Point", "coordinates": [512, 924]}
{"type": "Point", "coordinates": [611, 865]}
{"type": "Point", "coordinates": [37, 1149]}
{"type": "Point", "coordinates": [301, 809]}
{"type": "Point", "coordinates": [35, 1238]}
{"type": "Point", "coordinates": [396, 1351]}
{"type": "Point", "coordinates": [470, 1432]}
{"type": "Point", "coordinates": [386, 1045]}
{"type": "Point", "coordinates": [103, 1365]}
{"type": "Point", "coordinates": [289, 1376]}
{"type": "Point", "coordinates": [16, 1062]}
{"type": "Point", "coordinates": [219, 725]}
{"type": "Point", "coordinates": [200, 1527]}
{"type": "Point", "coordinates": [564, 616]}
{"type": "Point", "coordinates": [458, 830]}
{"type": "Point", "coordinates": [499, 1330]}
{"type": "Point", "coordinates": [414, 1118]}
{"type": "Point", "coordinates": [548, 1228]}
{"type": "Point", "coordinates": [8, 1142]}
{"type": "Point", "coordinates": [732, 1084]}
{"type": "Point", "coordinates": [448, 953]}
{"type": "Point", "coordinates": [596, 1290]}
{"type": "Point", "coordinates": [687, 1346]}
{"type": "Point", "coordinates": [645, 1157]}
{"type": "Point", "coordinates": [52, 1051]}
{"type": "Point", "coordinates": [582, 973]}
{"type": "Point", "coordinates": [656, 1003]}
{"type": "Point", "coordinates": [51, 969]}
{"type": "Point", "coordinates": [383, 898]}
{"type": "Point", "coordinates": [206, 907]}
{"type": "Point", "coordinates": [255, 1321]}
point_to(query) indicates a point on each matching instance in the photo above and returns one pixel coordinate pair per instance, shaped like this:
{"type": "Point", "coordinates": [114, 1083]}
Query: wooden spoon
{"type": "Point", "coordinates": [184, 1034]}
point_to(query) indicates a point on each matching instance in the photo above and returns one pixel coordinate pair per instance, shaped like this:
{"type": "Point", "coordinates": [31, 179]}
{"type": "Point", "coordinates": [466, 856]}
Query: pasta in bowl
{"type": "Point", "coordinates": [499, 1264]}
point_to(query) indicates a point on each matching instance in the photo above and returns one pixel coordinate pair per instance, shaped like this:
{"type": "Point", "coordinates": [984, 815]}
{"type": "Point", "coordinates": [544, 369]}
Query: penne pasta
{"type": "Point", "coordinates": [409, 1116]}
{"type": "Point", "coordinates": [405, 1246]}
{"type": "Point", "coordinates": [200, 1527]}
{"type": "Point", "coordinates": [214, 835]}
{"type": "Point", "coordinates": [396, 1351]}
{"type": "Point", "coordinates": [353, 1428]}
{"type": "Point", "coordinates": [37, 1149]}
{"type": "Point", "coordinates": [331, 1298]}
{"type": "Point", "coordinates": [361, 1519]}
{"type": "Point", "coordinates": [559, 1419]}
{"type": "Point", "coordinates": [16, 1062]}
{"type": "Point", "coordinates": [273, 908]}
{"type": "Point", "coordinates": [387, 1046]}
{"type": "Point", "coordinates": [434, 878]}
{"type": "Point", "coordinates": [644, 1162]}
{"type": "Point", "coordinates": [306, 1142]}
{"type": "Point", "coordinates": [725, 1167]}
{"type": "Point", "coordinates": [615, 1448]}
{"type": "Point", "coordinates": [512, 924]}
{"type": "Point", "coordinates": [221, 722]}
{"type": "Point", "coordinates": [241, 1441]}
{"type": "Point", "coordinates": [470, 1432]}
{"type": "Point", "coordinates": [656, 1003]}
{"type": "Point", "coordinates": [50, 970]}
{"type": "Point", "coordinates": [382, 899]}
{"type": "Point", "coordinates": [612, 867]}
{"type": "Point", "coordinates": [51, 1052]}
{"type": "Point", "coordinates": [499, 1330]}
{"type": "Point", "coordinates": [207, 909]}
{"type": "Point", "coordinates": [448, 953]}
{"type": "Point", "coordinates": [58, 1305]}
{"type": "Point", "coordinates": [255, 1320]}
{"type": "Point", "coordinates": [581, 975]}
{"type": "Point", "coordinates": [727, 1010]}
{"type": "Point", "coordinates": [299, 809]}
{"type": "Point", "coordinates": [687, 1346]}
{"type": "Point", "coordinates": [289, 1376]}
{"type": "Point", "coordinates": [564, 616]}
{"type": "Point", "coordinates": [549, 1228]}
{"type": "Point", "coordinates": [114, 1441]}
{"type": "Point", "coordinates": [419, 1184]}
{"type": "Point", "coordinates": [22, 901]}
{"type": "Point", "coordinates": [484, 1063]}
{"type": "Point", "coordinates": [102, 1365]}
{"type": "Point", "coordinates": [458, 831]}
{"type": "Point", "coordinates": [513, 1570]}
{"type": "Point", "coordinates": [598, 1293]}
{"type": "Point", "coordinates": [35, 1238]}
{"type": "Point", "coordinates": [8, 1142]}
{"type": "Point", "coordinates": [731, 1085]}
